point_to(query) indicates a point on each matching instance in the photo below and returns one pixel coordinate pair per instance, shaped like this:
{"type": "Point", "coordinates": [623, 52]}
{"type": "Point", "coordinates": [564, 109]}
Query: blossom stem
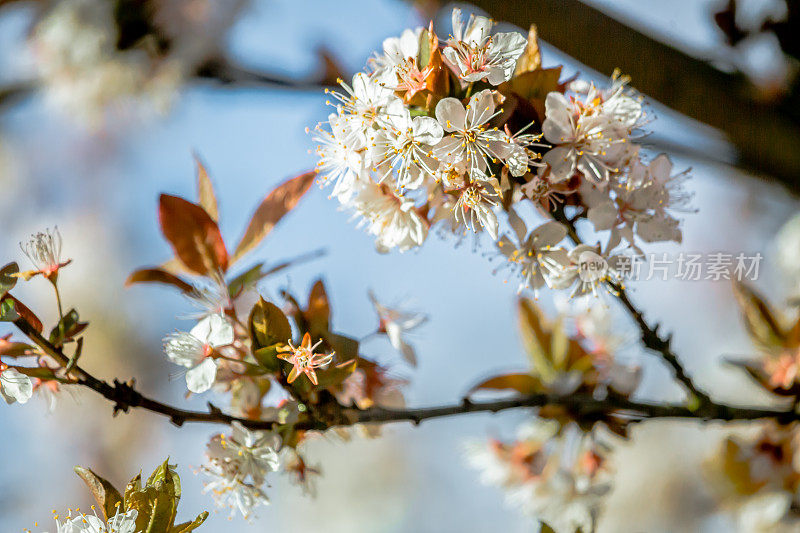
{"type": "Point", "coordinates": [58, 299]}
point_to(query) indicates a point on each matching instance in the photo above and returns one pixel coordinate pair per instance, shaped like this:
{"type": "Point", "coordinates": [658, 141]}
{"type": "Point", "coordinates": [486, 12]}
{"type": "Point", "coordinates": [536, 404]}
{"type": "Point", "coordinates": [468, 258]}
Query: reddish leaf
{"type": "Point", "coordinates": [277, 203]}
{"type": "Point", "coordinates": [205, 189]}
{"type": "Point", "coordinates": [522, 383]}
{"type": "Point", "coordinates": [194, 236]}
{"type": "Point", "coordinates": [157, 275]}
{"type": "Point", "coordinates": [23, 311]}
{"type": "Point", "coordinates": [319, 309]}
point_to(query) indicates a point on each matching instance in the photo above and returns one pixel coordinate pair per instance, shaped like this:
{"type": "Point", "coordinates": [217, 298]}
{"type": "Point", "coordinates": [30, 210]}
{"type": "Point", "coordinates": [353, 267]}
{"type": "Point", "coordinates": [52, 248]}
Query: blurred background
{"type": "Point", "coordinates": [99, 184]}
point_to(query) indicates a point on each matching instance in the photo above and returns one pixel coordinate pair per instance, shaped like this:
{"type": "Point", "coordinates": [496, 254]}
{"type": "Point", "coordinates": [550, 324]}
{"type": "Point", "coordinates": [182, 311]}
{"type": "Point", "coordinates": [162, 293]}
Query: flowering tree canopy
{"type": "Point", "coordinates": [469, 137]}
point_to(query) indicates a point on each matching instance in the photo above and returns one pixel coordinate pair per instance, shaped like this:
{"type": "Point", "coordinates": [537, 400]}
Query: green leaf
{"type": "Point", "coordinates": [544, 528]}
{"type": "Point", "coordinates": [142, 501]}
{"type": "Point", "coordinates": [7, 279]}
{"type": "Point", "coordinates": [268, 325]}
{"type": "Point", "coordinates": [12, 309]}
{"type": "Point", "coordinates": [268, 358]}
{"type": "Point", "coordinates": [14, 349]}
{"type": "Point", "coordinates": [133, 486]}
{"type": "Point", "coordinates": [559, 345]}
{"type": "Point", "coordinates": [248, 278]}
{"type": "Point", "coordinates": [167, 488]}
{"type": "Point", "coordinates": [40, 372]}
{"type": "Point", "coordinates": [69, 326]}
{"type": "Point", "coordinates": [108, 498]}
{"type": "Point", "coordinates": [186, 527]}
{"type": "Point", "coordinates": [8, 312]}
{"type": "Point", "coordinates": [424, 49]}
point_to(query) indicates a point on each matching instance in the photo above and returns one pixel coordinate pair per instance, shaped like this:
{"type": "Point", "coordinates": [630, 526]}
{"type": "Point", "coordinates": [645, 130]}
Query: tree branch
{"type": "Point", "coordinates": [765, 135]}
{"type": "Point", "coordinates": [226, 73]}
{"type": "Point", "coordinates": [124, 397]}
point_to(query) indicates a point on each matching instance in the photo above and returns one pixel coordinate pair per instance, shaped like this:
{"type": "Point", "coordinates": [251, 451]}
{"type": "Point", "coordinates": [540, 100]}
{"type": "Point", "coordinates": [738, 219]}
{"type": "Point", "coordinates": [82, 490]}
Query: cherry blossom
{"type": "Point", "coordinates": [393, 219]}
{"type": "Point", "coordinates": [303, 359]}
{"type": "Point", "coordinates": [395, 323]}
{"type": "Point", "coordinates": [82, 523]}
{"type": "Point", "coordinates": [406, 144]}
{"type": "Point", "coordinates": [475, 54]}
{"type": "Point", "coordinates": [588, 137]}
{"type": "Point", "coordinates": [556, 476]}
{"type": "Point", "coordinates": [470, 140]}
{"type": "Point", "coordinates": [528, 252]}
{"type": "Point", "coordinates": [14, 385]}
{"type": "Point", "coordinates": [195, 350]}
{"type": "Point", "coordinates": [44, 251]}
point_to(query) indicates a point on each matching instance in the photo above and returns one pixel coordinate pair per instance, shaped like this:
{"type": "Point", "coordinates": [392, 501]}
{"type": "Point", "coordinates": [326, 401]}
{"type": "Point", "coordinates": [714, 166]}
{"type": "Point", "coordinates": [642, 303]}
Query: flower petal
{"type": "Point", "coordinates": [200, 378]}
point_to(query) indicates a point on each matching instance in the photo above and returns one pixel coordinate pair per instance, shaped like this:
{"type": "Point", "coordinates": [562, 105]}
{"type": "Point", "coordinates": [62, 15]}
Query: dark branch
{"type": "Point", "coordinates": [581, 405]}
{"type": "Point", "coordinates": [124, 396]}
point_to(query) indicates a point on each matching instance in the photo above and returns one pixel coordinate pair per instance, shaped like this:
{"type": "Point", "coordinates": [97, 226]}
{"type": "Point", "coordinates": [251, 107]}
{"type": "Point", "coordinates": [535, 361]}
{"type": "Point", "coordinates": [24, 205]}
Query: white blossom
{"type": "Point", "coordinates": [229, 491]}
{"type": "Point", "coordinates": [393, 220]}
{"type": "Point", "coordinates": [556, 478]}
{"type": "Point", "coordinates": [395, 324]}
{"type": "Point", "coordinates": [641, 205]}
{"type": "Point", "coordinates": [470, 140]}
{"type": "Point", "coordinates": [589, 137]}
{"type": "Point", "coordinates": [238, 465]}
{"type": "Point", "coordinates": [194, 350]}
{"type": "Point", "coordinates": [84, 72]}
{"type": "Point", "coordinates": [475, 54]}
{"type": "Point", "coordinates": [82, 523]}
{"type": "Point", "coordinates": [250, 454]}
{"type": "Point", "coordinates": [529, 253]}
{"type": "Point", "coordinates": [14, 385]}
{"type": "Point", "coordinates": [361, 105]}
{"type": "Point", "coordinates": [586, 267]}
{"type": "Point", "coordinates": [475, 205]}
{"type": "Point", "coordinates": [341, 157]}
{"type": "Point", "coordinates": [405, 144]}
{"type": "Point", "coordinates": [397, 67]}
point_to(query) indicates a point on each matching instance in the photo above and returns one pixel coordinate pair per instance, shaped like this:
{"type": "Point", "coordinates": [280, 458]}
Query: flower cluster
{"type": "Point", "coordinates": [93, 55]}
{"type": "Point", "coordinates": [238, 465]}
{"type": "Point", "coordinates": [83, 523]}
{"type": "Point", "coordinates": [556, 469]}
{"type": "Point", "coordinates": [557, 476]}
{"type": "Point", "coordinates": [453, 133]}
